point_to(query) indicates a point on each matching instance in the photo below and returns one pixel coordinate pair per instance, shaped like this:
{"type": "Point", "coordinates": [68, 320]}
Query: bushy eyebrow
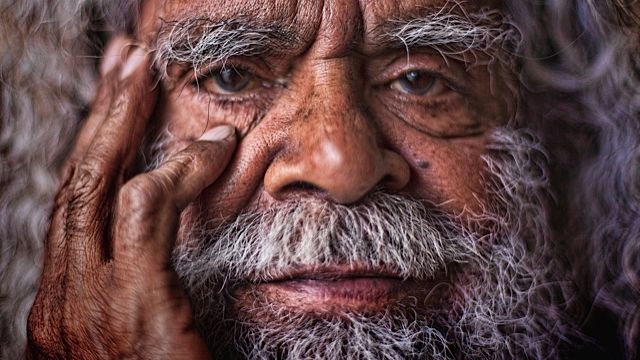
{"type": "Point", "coordinates": [201, 41]}
{"type": "Point", "coordinates": [451, 34]}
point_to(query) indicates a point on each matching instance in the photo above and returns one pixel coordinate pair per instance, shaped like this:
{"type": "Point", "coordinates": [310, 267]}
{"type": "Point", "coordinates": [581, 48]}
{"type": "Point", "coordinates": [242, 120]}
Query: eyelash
{"type": "Point", "coordinates": [229, 101]}
{"type": "Point", "coordinates": [208, 75]}
{"type": "Point", "coordinates": [448, 81]}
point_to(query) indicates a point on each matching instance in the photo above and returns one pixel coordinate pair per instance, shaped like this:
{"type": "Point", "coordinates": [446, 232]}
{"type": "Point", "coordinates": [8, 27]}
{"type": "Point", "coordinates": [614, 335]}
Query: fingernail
{"type": "Point", "coordinates": [218, 133]}
{"type": "Point", "coordinates": [112, 54]}
{"type": "Point", "coordinates": [136, 58]}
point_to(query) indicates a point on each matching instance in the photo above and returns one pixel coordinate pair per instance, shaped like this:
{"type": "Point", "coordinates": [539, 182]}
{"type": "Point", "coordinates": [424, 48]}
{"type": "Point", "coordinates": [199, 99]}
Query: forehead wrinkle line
{"type": "Point", "coordinates": [198, 41]}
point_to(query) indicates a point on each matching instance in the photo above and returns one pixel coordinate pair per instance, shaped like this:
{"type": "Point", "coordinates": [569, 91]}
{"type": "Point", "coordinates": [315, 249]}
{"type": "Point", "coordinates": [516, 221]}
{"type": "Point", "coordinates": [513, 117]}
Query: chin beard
{"type": "Point", "coordinates": [508, 299]}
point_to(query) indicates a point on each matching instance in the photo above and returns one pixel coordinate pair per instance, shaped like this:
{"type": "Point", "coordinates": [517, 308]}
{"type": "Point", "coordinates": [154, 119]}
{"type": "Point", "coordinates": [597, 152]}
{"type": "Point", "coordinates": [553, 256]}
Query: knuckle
{"type": "Point", "coordinates": [86, 185]}
{"type": "Point", "coordinates": [140, 194]}
{"type": "Point", "coordinates": [51, 326]}
{"type": "Point", "coordinates": [42, 335]}
{"type": "Point", "coordinates": [196, 156]}
{"type": "Point", "coordinates": [173, 171]}
{"type": "Point", "coordinates": [183, 162]}
{"type": "Point", "coordinates": [94, 159]}
{"type": "Point", "coordinates": [102, 152]}
{"type": "Point", "coordinates": [124, 105]}
{"type": "Point", "coordinates": [120, 105]}
{"type": "Point", "coordinates": [41, 342]}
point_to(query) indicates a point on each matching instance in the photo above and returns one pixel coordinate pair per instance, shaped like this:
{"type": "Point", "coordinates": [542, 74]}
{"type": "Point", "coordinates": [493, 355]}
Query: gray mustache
{"type": "Point", "coordinates": [512, 301]}
{"type": "Point", "coordinates": [406, 236]}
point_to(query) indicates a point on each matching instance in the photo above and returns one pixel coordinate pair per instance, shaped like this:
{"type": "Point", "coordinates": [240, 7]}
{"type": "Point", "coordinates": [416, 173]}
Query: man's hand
{"type": "Point", "coordinates": [107, 290]}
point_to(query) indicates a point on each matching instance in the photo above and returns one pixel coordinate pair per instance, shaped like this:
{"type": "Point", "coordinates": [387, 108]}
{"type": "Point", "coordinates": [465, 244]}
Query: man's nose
{"type": "Point", "coordinates": [333, 148]}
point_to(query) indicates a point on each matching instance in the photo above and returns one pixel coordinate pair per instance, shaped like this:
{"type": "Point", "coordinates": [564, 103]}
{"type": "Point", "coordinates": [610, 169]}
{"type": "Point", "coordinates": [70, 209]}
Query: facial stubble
{"type": "Point", "coordinates": [497, 305]}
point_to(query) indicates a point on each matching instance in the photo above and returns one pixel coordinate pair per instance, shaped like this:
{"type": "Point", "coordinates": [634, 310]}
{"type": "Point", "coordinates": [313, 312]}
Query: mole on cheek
{"type": "Point", "coordinates": [423, 164]}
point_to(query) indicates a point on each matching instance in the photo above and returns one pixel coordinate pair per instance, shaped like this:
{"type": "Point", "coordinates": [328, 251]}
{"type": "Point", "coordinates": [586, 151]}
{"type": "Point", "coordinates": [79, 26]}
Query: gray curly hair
{"type": "Point", "coordinates": [581, 65]}
{"type": "Point", "coordinates": [580, 77]}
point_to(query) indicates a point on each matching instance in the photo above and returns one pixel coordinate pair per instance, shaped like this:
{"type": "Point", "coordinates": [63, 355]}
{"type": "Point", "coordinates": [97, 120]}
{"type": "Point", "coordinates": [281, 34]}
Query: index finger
{"type": "Point", "coordinates": [113, 146]}
{"type": "Point", "coordinates": [97, 176]}
{"type": "Point", "coordinates": [149, 205]}
{"type": "Point", "coordinates": [113, 58]}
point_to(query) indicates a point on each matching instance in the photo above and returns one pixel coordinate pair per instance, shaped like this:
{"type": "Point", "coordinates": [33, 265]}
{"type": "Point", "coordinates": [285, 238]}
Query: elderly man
{"type": "Point", "coordinates": [325, 179]}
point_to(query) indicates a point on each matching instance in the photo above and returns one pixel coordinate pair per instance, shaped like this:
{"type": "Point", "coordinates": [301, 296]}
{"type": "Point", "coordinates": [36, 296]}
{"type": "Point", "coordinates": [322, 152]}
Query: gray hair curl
{"type": "Point", "coordinates": [583, 81]}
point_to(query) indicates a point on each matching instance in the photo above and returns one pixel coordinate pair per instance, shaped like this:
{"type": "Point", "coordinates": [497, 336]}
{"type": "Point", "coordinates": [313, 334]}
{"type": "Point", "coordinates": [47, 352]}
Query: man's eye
{"type": "Point", "coordinates": [229, 80]}
{"type": "Point", "coordinates": [419, 83]}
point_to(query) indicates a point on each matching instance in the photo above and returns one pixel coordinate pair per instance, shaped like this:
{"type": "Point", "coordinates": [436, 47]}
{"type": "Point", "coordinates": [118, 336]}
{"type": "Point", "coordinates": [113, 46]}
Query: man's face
{"type": "Point", "coordinates": [330, 103]}
{"type": "Point", "coordinates": [339, 105]}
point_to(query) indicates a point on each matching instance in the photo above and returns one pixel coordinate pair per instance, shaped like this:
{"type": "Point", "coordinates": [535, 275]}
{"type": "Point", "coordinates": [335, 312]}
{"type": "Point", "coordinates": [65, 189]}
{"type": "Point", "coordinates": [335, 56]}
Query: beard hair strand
{"type": "Point", "coordinates": [512, 294]}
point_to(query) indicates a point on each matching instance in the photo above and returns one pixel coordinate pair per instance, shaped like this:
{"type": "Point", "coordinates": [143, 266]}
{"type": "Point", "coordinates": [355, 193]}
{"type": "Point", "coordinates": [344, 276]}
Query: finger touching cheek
{"type": "Point", "coordinates": [160, 195]}
{"type": "Point", "coordinates": [193, 169]}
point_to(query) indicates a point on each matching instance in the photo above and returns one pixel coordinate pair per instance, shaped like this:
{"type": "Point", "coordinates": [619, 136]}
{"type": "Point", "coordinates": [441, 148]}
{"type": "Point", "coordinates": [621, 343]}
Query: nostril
{"type": "Point", "coordinates": [388, 183]}
{"type": "Point", "coordinates": [397, 174]}
{"type": "Point", "coordinates": [387, 179]}
{"type": "Point", "coordinates": [391, 183]}
{"type": "Point", "coordinates": [301, 186]}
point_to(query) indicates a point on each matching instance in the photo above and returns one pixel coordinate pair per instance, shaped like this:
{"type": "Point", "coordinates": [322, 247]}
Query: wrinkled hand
{"type": "Point", "coordinates": [107, 290]}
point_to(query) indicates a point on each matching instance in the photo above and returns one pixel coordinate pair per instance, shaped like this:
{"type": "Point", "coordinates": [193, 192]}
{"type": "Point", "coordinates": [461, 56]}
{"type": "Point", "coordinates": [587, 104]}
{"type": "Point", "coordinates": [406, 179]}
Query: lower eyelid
{"type": "Point", "coordinates": [438, 126]}
{"type": "Point", "coordinates": [430, 101]}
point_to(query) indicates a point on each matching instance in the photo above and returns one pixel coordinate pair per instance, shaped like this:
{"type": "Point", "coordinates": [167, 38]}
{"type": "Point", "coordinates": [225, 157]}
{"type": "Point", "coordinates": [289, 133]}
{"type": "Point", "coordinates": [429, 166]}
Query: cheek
{"type": "Point", "coordinates": [186, 115]}
{"type": "Point", "coordinates": [444, 171]}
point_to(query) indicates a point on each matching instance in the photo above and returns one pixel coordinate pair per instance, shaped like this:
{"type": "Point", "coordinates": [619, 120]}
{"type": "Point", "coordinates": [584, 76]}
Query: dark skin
{"type": "Point", "coordinates": [80, 305]}
{"type": "Point", "coordinates": [343, 125]}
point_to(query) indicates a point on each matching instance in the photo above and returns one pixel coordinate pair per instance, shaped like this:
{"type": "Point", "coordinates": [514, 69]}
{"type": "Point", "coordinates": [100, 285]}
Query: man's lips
{"type": "Point", "coordinates": [328, 288]}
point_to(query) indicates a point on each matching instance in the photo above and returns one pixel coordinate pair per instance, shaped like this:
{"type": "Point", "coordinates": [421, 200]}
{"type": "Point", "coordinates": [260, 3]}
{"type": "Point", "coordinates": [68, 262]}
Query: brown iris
{"type": "Point", "coordinates": [230, 80]}
{"type": "Point", "coordinates": [416, 82]}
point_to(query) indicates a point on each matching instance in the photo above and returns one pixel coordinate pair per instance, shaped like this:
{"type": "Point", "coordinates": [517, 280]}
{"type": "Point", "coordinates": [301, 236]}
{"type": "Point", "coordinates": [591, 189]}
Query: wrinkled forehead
{"type": "Point", "coordinates": [347, 20]}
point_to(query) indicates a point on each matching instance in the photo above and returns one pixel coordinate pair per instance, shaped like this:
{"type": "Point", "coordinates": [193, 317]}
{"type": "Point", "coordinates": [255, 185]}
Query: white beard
{"type": "Point", "coordinates": [509, 303]}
